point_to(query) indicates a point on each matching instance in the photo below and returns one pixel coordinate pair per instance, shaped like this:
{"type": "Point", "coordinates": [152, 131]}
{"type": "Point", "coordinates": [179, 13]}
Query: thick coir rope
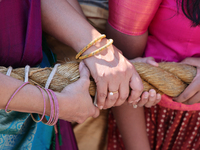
{"type": "Point", "coordinates": [169, 78]}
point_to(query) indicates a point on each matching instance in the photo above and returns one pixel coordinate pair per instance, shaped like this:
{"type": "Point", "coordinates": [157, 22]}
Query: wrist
{"type": "Point", "coordinates": [96, 46]}
{"type": "Point", "coordinates": [63, 108]}
{"type": "Point", "coordinates": [99, 50]}
{"type": "Point", "coordinates": [79, 45]}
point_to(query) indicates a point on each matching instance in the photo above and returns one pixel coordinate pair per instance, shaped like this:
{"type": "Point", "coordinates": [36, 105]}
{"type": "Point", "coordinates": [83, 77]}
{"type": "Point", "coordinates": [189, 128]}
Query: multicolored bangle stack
{"type": "Point", "coordinates": [78, 56]}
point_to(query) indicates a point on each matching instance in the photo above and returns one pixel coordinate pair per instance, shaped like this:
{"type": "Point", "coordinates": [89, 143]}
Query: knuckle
{"type": "Point", "coordinates": [130, 67]}
{"type": "Point", "coordinates": [122, 70]}
{"type": "Point", "coordinates": [144, 100]}
{"type": "Point", "coordinates": [113, 99]}
{"type": "Point", "coordinates": [99, 78]}
{"type": "Point", "coordinates": [123, 75]}
{"type": "Point", "coordinates": [137, 85]}
{"type": "Point", "coordinates": [184, 96]}
{"type": "Point", "coordinates": [102, 95]}
{"type": "Point", "coordinates": [92, 112]}
{"type": "Point", "coordinates": [140, 88]}
{"type": "Point", "coordinates": [123, 97]}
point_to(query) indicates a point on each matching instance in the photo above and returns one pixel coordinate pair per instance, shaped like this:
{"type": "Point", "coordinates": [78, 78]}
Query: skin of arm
{"type": "Point", "coordinates": [128, 43]}
{"type": "Point", "coordinates": [110, 69]}
{"type": "Point", "coordinates": [75, 4]}
{"type": "Point", "coordinates": [75, 103]}
{"type": "Point", "coordinates": [130, 121]}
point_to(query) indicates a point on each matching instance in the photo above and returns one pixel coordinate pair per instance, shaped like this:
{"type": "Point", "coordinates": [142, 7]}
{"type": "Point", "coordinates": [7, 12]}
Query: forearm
{"type": "Point", "coordinates": [131, 124]}
{"type": "Point", "coordinates": [76, 6]}
{"type": "Point", "coordinates": [29, 99]}
{"type": "Point", "coordinates": [62, 21]}
{"type": "Point", "coordinates": [131, 46]}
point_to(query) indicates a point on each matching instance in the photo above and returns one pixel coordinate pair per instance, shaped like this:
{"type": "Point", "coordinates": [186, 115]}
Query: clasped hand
{"type": "Point", "coordinates": [148, 98]}
{"type": "Point", "coordinates": [192, 93]}
{"type": "Point", "coordinates": [115, 77]}
{"type": "Point", "coordinates": [79, 105]}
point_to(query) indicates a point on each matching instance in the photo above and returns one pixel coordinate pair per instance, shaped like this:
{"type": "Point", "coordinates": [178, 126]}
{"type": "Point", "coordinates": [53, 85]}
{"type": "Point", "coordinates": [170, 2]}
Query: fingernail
{"type": "Point", "coordinates": [100, 107]}
{"type": "Point", "coordinates": [130, 102]}
{"type": "Point", "coordinates": [146, 96]}
{"type": "Point", "coordinates": [138, 100]}
{"type": "Point", "coordinates": [158, 96]}
{"type": "Point", "coordinates": [155, 63]}
{"type": "Point", "coordinates": [152, 95]}
{"type": "Point", "coordinates": [134, 106]}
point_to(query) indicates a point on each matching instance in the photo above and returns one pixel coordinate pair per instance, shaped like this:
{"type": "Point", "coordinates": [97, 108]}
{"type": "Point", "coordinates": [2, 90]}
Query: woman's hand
{"type": "Point", "coordinates": [76, 103]}
{"type": "Point", "coordinates": [148, 60]}
{"type": "Point", "coordinates": [149, 98]}
{"type": "Point", "coordinates": [192, 93]}
{"type": "Point", "coordinates": [112, 72]}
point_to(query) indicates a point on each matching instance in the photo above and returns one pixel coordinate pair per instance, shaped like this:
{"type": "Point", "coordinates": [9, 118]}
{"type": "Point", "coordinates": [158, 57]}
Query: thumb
{"type": "Point", "coordinates": [97, 112]}
{"type": "Point", "coordinates": [152, 62]}
{"type": "Point", "coordinates": [84, 72]}
{"type": "Point", "coordinates": [191, 61]}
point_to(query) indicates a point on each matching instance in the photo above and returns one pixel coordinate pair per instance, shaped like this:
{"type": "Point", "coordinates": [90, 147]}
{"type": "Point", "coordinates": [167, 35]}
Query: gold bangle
{"type": "Point", "coordinates": [110, 41]}
{"type": "Point", "coordinates": [89, 45]}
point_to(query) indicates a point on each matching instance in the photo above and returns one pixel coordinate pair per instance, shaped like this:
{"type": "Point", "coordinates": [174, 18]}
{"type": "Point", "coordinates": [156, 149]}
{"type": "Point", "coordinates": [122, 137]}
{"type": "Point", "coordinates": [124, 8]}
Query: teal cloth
{"type": "Point", "coordinates": [18, 131]}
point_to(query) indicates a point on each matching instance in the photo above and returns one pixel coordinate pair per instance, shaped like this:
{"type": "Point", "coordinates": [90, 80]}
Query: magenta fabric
{"type": "Point", "coordinates": [172, 38]}
{"type": "Point", "coordinates": [20, 33]}
{"type": "Point", "coordinates": [169, 125]}
{"type": "Point", "coordinates": [21, 44]}
{"type": "Point", "coordinates": [68, 138]}
{"type": "Point", "coordinates": [171, 35]}
{"type": "Point", "coordinates": [132, 17]}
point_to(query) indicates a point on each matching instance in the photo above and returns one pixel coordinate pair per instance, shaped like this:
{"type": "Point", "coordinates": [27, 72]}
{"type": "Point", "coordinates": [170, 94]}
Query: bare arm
{"type": "Point", "coordinates": [76, 6]}
{"type": "Point", "coordinates": [111, 71]}
{"type": "Point", "coordinates": [131, 122]}
{"type": "Point", "coordinates": [131, 46]}
{"type": "Point", "coordinates": [29, 99]}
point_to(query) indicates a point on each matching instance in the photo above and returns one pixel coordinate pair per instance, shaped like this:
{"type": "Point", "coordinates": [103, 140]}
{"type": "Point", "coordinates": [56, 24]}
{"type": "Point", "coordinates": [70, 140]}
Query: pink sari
{"type": "Point", "coordinates": [170, 125]}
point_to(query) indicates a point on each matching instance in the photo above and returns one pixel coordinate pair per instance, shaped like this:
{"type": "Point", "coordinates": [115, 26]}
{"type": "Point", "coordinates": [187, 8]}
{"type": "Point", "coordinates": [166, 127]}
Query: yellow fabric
{"type": "Point", "coordinates": [92, 134]}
